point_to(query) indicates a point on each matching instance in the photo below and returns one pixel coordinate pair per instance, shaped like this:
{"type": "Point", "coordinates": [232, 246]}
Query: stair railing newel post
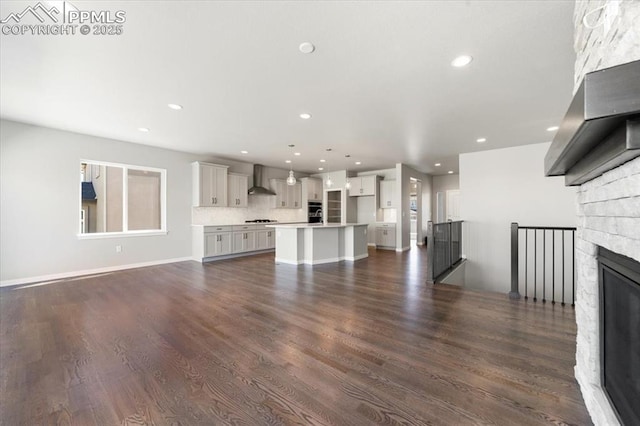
{"type": "Point", "coordinates": [430, 258]}
{"type": "Point", "coordinates": [514, 293]}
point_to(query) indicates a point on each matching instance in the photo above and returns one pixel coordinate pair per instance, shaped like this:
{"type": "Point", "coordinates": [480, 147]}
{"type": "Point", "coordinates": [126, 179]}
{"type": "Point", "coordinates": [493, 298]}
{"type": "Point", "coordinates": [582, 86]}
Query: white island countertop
{"type": "Point", "coordinates": [312, 244]}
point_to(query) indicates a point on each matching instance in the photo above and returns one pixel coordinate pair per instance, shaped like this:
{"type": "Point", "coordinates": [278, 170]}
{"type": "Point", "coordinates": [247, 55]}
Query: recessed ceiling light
{"type": "Point", "coordinates": [296, 153]}
{"type": "Point", "coordinates": [323, 161]}
{"type": "Point", "coordinates": [450, 172]}
{"type": "Point", "coordinates": [552, 128]}
{"type": "Point", "coordinates": [358, 163]}
{"type": "Point", "coordinates": [438, 164]}
{"type": "Point", "coordinates": [287, 161]}
{"type": "Point", "coordinates": [306, 47]}
{"type": "Point", "coordinates": [244, 152]}
{"type": "Point", "coordinates": [321, 168]}
{"type": "Point", "coordinates": [461, 61]}
{"type": "Point", "coordinates": [305, 116]}
{"type": "Point", "coordinates": [175, 106]}
{"type": "Point", "coordinates": [143, 129]}
{"type": "Point", "coordinates": [481, 140]}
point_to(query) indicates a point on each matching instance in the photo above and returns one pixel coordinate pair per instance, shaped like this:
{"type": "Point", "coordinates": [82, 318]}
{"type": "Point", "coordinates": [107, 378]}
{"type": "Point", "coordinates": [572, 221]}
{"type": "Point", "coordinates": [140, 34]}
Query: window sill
{"type": "Point", "coordinates": [100, 235]}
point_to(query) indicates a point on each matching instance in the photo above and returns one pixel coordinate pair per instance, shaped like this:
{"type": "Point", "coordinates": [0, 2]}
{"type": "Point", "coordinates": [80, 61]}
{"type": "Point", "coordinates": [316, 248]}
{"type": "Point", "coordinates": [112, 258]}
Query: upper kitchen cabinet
{"type": "Point", "coordinates": [388, 194]}
{"type": "Point", "coordinates": [363, 185]}
{"type": "Point", "coordinates": [287, 196]}
{"type": "Point", "coordinates": [313, 188]}
{"type": "Point", "coordinates": [209, 185]}
{"type": "Point", "coordinates": [238, 188]}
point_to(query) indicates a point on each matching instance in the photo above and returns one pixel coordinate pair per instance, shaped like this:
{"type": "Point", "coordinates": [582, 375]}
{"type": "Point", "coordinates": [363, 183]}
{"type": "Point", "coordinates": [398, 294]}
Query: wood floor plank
{"type": "Point", "coordinates": [251, 342]}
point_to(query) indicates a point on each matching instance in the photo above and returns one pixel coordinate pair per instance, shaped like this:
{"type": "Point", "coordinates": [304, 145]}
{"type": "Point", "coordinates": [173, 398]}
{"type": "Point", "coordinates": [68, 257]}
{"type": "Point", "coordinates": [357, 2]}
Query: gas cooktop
{"type": "Point", "coordinates": [260, 221]}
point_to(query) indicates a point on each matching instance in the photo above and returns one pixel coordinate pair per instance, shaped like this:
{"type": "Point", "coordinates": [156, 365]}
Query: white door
{"type": "Point", "coordinates": [440, 216]}
{"type": "Point", "coordinates": [453, 205]}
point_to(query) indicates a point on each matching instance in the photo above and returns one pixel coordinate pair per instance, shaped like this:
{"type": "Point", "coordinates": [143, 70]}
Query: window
{"type": "Point", "coordinates": [119, 199]}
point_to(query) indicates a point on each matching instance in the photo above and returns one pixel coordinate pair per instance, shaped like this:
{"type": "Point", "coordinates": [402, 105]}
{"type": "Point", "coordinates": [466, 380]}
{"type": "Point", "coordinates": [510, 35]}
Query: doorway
{"type": "Point", "coordinates": [453, 205]}
{"type": "Point", "coordinates": [415, 212]}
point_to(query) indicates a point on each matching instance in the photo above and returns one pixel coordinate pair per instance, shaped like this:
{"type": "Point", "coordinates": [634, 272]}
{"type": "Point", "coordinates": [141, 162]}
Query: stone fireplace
{"type": "Point", "coordinates": [609, 217]}
{"type": "Point", "coordinates": [597, 149]}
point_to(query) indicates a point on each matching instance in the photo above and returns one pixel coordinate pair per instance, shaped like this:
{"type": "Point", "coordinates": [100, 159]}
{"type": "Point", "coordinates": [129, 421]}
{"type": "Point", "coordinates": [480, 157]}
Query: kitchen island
{"type": "Point", "coordinates": [313, 244]}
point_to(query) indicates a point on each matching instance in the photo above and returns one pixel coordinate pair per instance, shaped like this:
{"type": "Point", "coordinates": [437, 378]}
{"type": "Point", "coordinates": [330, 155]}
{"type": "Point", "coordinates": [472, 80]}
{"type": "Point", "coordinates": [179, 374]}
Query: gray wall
{"type": "Point", "coordinates": [39, 203]}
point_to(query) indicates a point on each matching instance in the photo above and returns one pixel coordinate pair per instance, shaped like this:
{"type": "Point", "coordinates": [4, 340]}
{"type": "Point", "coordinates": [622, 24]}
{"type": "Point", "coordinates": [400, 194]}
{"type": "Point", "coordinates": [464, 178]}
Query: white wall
{"type": "Point", "coordinates": [498, 187]}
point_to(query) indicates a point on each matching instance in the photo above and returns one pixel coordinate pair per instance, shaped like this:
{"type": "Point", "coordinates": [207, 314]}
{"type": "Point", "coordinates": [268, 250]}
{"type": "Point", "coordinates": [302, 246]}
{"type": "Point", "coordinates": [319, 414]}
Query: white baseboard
{"type": "Point", "coordinates": [48, 279]}
{"type": "Point", "coordinates": [358, 257]}
{"type": "Point", "coordinates": [403, 249]}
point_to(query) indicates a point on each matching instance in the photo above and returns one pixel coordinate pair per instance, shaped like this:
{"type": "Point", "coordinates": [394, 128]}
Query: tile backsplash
{"type": "Point", "coordinates": [259, 207]}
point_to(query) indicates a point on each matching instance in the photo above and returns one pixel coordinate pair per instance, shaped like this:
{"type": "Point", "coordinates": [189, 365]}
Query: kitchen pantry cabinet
{"type": "Point", "coordinates": [314, 189]}
{"type": "Point", "coordinates": [388, 194]}
{"type": "Point", "coordinates": [363, 186]}
{"type": "Point", "coordinates": [386, 235]}
{"type": "Point", "coordinates": [209, 185]}
{"type": "Point", "coordinates": [287, 196]}
{"type": "Point", "coordinates": [238, 189]}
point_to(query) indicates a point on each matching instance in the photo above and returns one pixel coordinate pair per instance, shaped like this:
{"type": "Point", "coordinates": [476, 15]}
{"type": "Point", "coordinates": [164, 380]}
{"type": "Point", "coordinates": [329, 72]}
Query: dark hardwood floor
{"type": "Point", "coordinates": [249, 342]}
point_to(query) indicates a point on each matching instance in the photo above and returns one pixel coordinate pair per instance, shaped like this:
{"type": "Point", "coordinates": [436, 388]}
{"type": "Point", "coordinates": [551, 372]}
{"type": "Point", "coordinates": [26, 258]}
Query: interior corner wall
{"type": "Point", "coordinates": [498, 187]}
{"type": "Point", "coordinates": [404, 174]}
{"type": "Point", "coordinates": [39, 203]}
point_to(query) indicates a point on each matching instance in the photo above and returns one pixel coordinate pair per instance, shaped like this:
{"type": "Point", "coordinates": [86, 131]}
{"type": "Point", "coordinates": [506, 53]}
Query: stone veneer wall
{"type": "Point", "coordinates": [608, 216]}
{"type": "Point", "coordinates": [608, 206]}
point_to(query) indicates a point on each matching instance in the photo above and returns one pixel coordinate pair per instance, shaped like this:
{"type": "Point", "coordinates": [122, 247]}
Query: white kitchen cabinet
{"type": "Point", "coordinates": [265, 239]}
{"type": "Point", "coordinates": [211, 241]}
{"type": "Point", "coordinates": [313, 189]}
{"type": "Point", "coordinates": [388, 194]}
{"type": "Point", "coordinates": [294, 196]}
{"type": "Point", "coordinates": [363, 186]}
{"type": "Point", "coordinates": [287, 196]}
{"type": "Point", "coordinates": [244, 238]}
{"type": "Point", "coordinates": [209, 185]}
{"type": "Point", "coordinates": [386, 235]}
{"type": "Point", "coordinates": [238, 189]}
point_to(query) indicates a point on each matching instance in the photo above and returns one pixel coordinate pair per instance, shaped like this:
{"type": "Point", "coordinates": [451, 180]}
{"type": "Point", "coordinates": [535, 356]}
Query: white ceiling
{"type": "Point", "coordinates": [380, 85]}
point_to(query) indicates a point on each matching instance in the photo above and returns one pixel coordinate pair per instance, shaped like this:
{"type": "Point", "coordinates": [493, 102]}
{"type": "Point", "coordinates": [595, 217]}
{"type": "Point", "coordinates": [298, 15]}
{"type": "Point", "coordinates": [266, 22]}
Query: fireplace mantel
{"type": "Point", "coordinates": [601, 129]}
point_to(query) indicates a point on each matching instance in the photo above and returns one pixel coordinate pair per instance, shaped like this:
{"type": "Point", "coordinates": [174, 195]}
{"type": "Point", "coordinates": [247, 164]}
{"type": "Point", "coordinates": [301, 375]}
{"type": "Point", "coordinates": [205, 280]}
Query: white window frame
{"type": "Point", "coordinates": [125, 204]}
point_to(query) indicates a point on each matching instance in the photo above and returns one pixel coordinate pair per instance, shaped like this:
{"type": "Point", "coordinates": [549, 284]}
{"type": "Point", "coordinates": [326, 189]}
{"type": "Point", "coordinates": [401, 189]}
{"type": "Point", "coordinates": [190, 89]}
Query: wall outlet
{"type": "Point", "coordinates": [118, 249]}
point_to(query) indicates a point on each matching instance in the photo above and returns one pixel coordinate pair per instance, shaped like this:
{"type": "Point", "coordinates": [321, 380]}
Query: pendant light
{"type": "Point", "coordinates": [291, 180]}
{"type": "Point", "coordinates": [347, 185]}
{"type": "Point", "coordinates": [328, 183]}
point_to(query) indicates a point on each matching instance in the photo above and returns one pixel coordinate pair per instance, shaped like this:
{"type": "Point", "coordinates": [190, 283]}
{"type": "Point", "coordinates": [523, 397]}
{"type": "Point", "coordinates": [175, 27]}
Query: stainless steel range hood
{"type": "Point", "coordinates": [258, 187]}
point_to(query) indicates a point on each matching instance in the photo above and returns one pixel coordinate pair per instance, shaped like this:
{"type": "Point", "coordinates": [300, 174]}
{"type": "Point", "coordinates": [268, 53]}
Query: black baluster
{"type": "Point", "coordinates": [563, 268]}
{"type": "Point", "coordinates": [573, 271]}
{"type": "Point", "coordinates": [553, 267]}
{"type": "Point", "coordinates": [535, 265]}
{"type": "Point", "coordinates": [526, 262]}
{"type": "Point", "coordinates": [544, 259]}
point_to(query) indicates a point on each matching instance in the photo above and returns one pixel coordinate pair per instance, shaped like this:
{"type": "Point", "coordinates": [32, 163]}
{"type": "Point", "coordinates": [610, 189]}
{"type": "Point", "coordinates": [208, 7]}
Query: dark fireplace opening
{"type": "Point", "coordinates": [620, 333]}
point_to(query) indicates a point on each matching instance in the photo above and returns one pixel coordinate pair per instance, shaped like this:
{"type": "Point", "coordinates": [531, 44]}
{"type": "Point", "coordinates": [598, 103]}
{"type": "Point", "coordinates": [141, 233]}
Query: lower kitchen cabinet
{"type": "Point", "coordinates": [244, 241]}
{"type": "Point", "coordinates": [215, 241]}
{"type": "Point", "coordinates": [386, 235]}
{"type": "Point", "coordinates": [265, 239]}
